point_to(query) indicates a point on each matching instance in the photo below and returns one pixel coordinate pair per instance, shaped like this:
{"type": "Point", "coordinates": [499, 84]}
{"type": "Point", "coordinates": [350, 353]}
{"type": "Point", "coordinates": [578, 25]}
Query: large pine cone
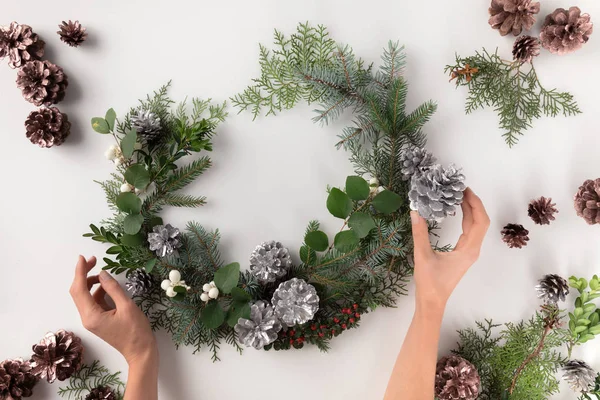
{"type": "Point", "coordinates": [16, 379]}
{"type": "Point", "coordinates": [20, 44]}
{"type": "Point", "coordinates": [542, 211]}
{"type": "Point", "coordinates": [587, 201]}
{"type": "Point", "coordinates": [566, 31]}
{"type": "Point", "coordinates": [47, 127]}
{"type": "Point", "coordinates": [42, 82]}
{"type": "Point", "coordinates": [101, 393]}
{"type": "Point", "coordinates": [456, 379]}
{"type": "Point", "coordinates": [511, 16]}
{"type": "Point", "coordinates": [515, 235]}
{"type": "Point", "coordinates": [436, 192]}
{"type": "Point", "coordinates": [58, 356]}
{"type": "Point", "coordinates": [72, 33]}
{"type": "Point", "coordinates": [525, 48]}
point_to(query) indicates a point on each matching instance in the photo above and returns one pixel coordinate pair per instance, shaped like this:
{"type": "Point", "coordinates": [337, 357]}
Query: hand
{"type": "Point", "coordinates": [438, 273]}
{"type": "Point", "coordinates": [125, 327]}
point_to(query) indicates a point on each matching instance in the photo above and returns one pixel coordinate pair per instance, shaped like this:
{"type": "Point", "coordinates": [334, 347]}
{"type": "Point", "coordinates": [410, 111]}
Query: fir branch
{"type": "Point", "coordinates": [185, 175]}
{"type": "Point", "coordinates": [182, 200]}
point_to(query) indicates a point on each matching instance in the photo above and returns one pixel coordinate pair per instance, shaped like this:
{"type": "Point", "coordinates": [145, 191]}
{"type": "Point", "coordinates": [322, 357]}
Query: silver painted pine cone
{"type": "Point", "coordinates": [552, 289]}
{"type": "Point", "coordinates": [262, 327]}
{"type": "Point", "coordinates": [147, 124]}
{"type": "Point", "coordinates": [270, 261]}
{"type": "Point", "coordinates": [414, 160]}
{"type": "Point", "coordinates": [295, 302]}
{"type": "Point", "coordinates": [436, 192]}
{"type": "Point", "coordinates": [139, 282]}
{"type": "Point", "coordinates": [164, 240]}
{"type": "Point", "coordinates": [579, 375]}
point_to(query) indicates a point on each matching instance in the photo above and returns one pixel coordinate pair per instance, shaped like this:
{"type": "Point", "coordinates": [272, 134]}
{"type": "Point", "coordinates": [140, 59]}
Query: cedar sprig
{"type": "Point", "coordinates": [89, 377]}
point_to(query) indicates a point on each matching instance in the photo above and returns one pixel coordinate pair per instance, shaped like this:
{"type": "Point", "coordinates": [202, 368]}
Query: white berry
{"type": "Point", "coordinates": [118, 161]}
{"type": "Point", "coordinates": [126, 187]}
{"type": "Point", "coordinates": [212, 284]}
{"type": "Point", "coordinates": [206, 287]}
{"type": "Point", "coordinates": [165, 284]}
{"type": "Point", "coordinates": [204, 297]}
{"type": "Point", "coordinates": [374, 182]}
{"type": "Point", "coordinates": [171, 292]}
{"type": "Point", "coordinates": [213, 293]}
{"type": "Point", "coordinates": [380, 189]}
{"type": "Point", "coordinates": [174, 276]}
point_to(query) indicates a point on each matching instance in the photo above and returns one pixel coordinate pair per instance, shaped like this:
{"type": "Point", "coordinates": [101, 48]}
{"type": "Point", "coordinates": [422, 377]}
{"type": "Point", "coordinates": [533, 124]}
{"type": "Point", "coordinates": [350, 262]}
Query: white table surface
{"type": "Point", "coordinates": [269, 177]}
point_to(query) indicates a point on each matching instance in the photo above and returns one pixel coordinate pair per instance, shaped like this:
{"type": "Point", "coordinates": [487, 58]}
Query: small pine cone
{"type": "Point", "coordinates": [511, 16]}
{"type": "Point", "coordinates": [542, 211]}
{"type": "Point", "coordinates": [20, 44]}
{"type": "Point", "coordinates": [579, 375]}
{"type": "Point", "coordinates": [566, 31]}
{"type": "Point", "coordinates": [413, 160]}
{"type": "Point", "coordinates": [587, 201]}
{"type": "Point", "coordinates": [16, 379]}
{"type": "Point", "coordinates": [515, 235]}
{"type": "Point", "coordinates": [525, 48]}
{"type": "Point", "coordinates": [139, 282]}
{"type": "Point", "coordinates": [58, 356]}
{"type": "Point", "coordinates": [47, 127]}
{"type": "Point", "coordinates": [101, 393]}
{"type": "Point", "coordinates": [148, 125]}
{"type": "Point", "coordinates": [42, 82]}
{"type": "Point", "coordinates": [270, 261]}
{"type": "Point", "coordinates": [552, 288]}
{"type": "Point", "coordinates": [456, 379]}
{"type": "Point", "coordinates": [436, 192]}
{"type": "Point", "coordinates": [72, 33]}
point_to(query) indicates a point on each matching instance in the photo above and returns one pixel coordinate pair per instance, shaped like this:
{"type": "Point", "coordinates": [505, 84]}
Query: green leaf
{"type": "Point", "coordinates": [128, 143]}
{"type": "Point", "coordinates": [114, 250]}
{"type": "Point", "coordinates": [578, 311]}
{"type": "Point", "coordinates": [594, 283]}
{"type": "Point", "coordinates": [111, 117]}
{"type": "Point", "coordinates": [132, 240]}
{"type": "Point", "coordinates": [595, 318]}
{"type": "Point", "coordinates": [595, 330]}
{"type": "Point", "coordinates": [572, 325]}
{"type": "Point", "coordinates": [345, 241]}
{"type": "Point", "coordinates": [227, 277]}
{"type": "Point", "coordinates": [150, 265]}
{"type": "Point", "coordinates": [339, 204]}
{"type": "Point", "coordinates": [387, 202]}
{"type": "Point", "coordinates": [585, 338]}
{"type": "Point", "coordinates": [317, 240]}
{"type": "Point", "coordinates": [589, 307]}
{"type": "Point", "coordinates": [579, 329]}
{"type": "Point", "coordinates": [307, 255]}
{"type": "Point", "coordinates": [212, 316]}
{"type": "Point", "coordinates": [155, 221]}
{"type": "Point", "coordinates": [357, 188]}
{"type": "Point", "coordinates": [180, 289]}
{"type": "Point", "coordinates": [133, 223]}
{"type": "Point", "coordinates": [129, 203]}
{"type": "Point", "coordinates": [583, 322]}
{"type": "Point", "coordinates": [100, 125]}
{"type": "Point", "coordinates": [578, 302]}
{"type": "Point", "coordinates": [236, 311]}
{"type": "Point", "coordinates": [138, 176]}
{"type": "Point", "coordinates": [361, 223]}
{"type": "Point", "coordinates": [239, 294]}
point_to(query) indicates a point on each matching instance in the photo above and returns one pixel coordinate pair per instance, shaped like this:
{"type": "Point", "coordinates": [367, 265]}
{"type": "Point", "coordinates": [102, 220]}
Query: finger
{"type": "Point", "coordinates": [481, 221]}
{"type": "Point", "coordinates": [79, 290]}
{"type": "Point", "coordinates": [420, 232]}
{"type": "Point", "coordinates": [467, 224]}
{"type": "Point", "coordinates": [91, 281]}
{"type": "Point", "coordinates": [114, 290]}
{"type": "Point", "coordinates": [100, 298]}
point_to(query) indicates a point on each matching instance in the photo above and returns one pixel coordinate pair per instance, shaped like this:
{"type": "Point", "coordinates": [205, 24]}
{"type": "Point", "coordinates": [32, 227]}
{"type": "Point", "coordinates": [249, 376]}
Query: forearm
{"type": "Point", "coordinates": [414, 373]}
{"type": "Point", "coordinates": [142, 381]}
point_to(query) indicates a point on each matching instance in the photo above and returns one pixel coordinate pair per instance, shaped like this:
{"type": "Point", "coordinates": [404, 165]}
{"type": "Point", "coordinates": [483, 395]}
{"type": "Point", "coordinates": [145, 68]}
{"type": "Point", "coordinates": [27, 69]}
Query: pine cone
{"type": "Point", "coordinates": [148, 125]}
{"type": "Point", "coordinates": [57, 356]}
{"type": "Point", "coordinates": [42, 82]}
{"type": "Point", "coordinates": [101, 393]}
{"type": "Point", "coordinates": [579, 375]}
{"type": "Point", "coordinates": [436, 192]}
{"type": "Point", "coordinates": [47, 127]}
{"type": "Point", "coordinates": [525, 48]}
{"type": "Point", "coordinates": [566, 31]}
{"type": "Point", "coordinates": [513, 15]}
{"type": "Point", "coordinates": [16, 379]}
{"type": "Point", "coordinates": [587, 201]}
{"type": "Point", "coordinates": [515, 235]}
{"type": "Point", "coordinates": [456, 378]}
{"type": "Point", "coordinates": [414, 160]}
{"type": "Point", "coordinates": [295, 302]}
{"type": "Point", "coordinates": [552, 288]}
{"type": "Point", "coordinates": [20, 44]}
{"type": "Point", "coordinates": [262, 327]}
{"type": "Point", "coordinates": [270, 261]}
{"type": "Point", "coordinates": [72, 33]}
{"type": "Point", "coordinates": [542, 211]}
{"type": "Point", "coordinates": [139, 282]}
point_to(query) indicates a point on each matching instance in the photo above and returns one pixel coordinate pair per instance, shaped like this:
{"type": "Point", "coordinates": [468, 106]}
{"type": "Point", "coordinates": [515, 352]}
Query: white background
{"type": "Point", "coordinates": [269, 176]}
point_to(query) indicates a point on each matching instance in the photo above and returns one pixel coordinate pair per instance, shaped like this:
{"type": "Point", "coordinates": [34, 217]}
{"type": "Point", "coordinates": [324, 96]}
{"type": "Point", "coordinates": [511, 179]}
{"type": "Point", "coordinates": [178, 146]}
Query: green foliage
{"type": "Point", "coordinates": [212, 316]}
{"type": "Point", "coordinates": [357, 188]}
{"type": "Point", "coordinates": [345, 241]}
{"type": "Point", "coordinates": [339, 203]}
{"type": "Point", "coordinates": [361, 224]}
{"type": "Point", "coordinates": [90, 377]}
{"type": "Point", "coordinates": [512, 89]}
{"type": "Point", "coordinates": [595, 392]}
{"type": "Point", "coordinates": [584, 321]}
{"type": "Point", "coordinates": [387, 202]}
{"type": "Point", "coordinates": [227, 277]}
{"type": "Point", "coordinates": [317, 240]}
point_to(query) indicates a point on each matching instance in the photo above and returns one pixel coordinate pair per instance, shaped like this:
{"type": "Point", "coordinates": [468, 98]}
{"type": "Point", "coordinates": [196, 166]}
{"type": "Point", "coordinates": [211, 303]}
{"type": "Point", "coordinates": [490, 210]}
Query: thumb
{"type": "Point", "coordinates": [420, 232]}
{"type": "Point", "coordinates": [113, 289]}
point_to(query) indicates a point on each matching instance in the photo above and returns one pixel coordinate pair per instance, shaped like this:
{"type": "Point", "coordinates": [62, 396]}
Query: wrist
{"type": "Point", "coordinates": [430, 308]}
{"type": "Point", "coordinates": [147, 359]}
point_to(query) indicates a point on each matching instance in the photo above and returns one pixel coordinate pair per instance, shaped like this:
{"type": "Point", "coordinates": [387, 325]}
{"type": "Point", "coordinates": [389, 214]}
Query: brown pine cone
{"type": "Point", "coordinates": [16, 379]}
{"type": "Point", "coordinates": [101, 393]}
{"type": "Point", "coordinates": [542, 210]}
{"type": "Point", "coordinates": [20, 44]}
{"type": "Point", "coordinates": [525, 48]}
{"type": "Point", "coordinates": [42, 82]}
{"type": "Point", "coordinates": [515, 235]}
{"type": "Point", "coordinates": [57, 356]}
{"type": "Point", "coordinates": [587, 201]}
{"type": "Point", "coordinates": [72, 33]}
{"type": "Point", "coordinates": [511, 16]}
{"type": "Point", "coordinates": [456, 379]}
{"type": "Point", "coordinates": [566, 31]}
{"type": "Point", "coordinates": [47, 127]}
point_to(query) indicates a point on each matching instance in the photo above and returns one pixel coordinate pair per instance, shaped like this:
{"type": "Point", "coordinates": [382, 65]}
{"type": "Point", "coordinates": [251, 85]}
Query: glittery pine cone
{"type": "Point", "coordinates": [262, 327]}
{"type": "Point", "coordinates": [57, 356]}
{"type": "Point", "coordinates": [47, 127]}
{"type": "Point", "coordinates": [101, 393]}
{"type": "Point", "coordinates": [552, 289]}
{"type": "Point", "coordinates": [42, 82]}
{"type": "Point", "coordinates": [587, 201]}
{"type": "Point", "coordinates": [270, 261]}
{"type": "Point", "coordinates": [16, 379]}
{"type": "Point", "coordinates": [414, 160]}
{"type": "Point", "coordinates": [512, 16]}
{"type": "Point", "coordinates": [436, 192]}
{"type": "Point", "coordinates": [139, 282]}
{"type": "Point", "coordinates": [579, 375]}
{"type": "Point", "coordinates": [20, 44]}
{"type": "Point", "coordinates": [72, 33]}
{"type": "Point", "coordinates": [164, 240]}
{"type": "Point", "coordinates": [542, 211]}
{"type": "Point", "coordinates": [456, 378]}
{"type": "Point", "coordinates": [566, 31]}
{"type": "Point", "coordinates": [295, 302]}
{"type": "Point", "coordinates": [525, 48]}
{"type": "Point", "coordinates": [148, 125]}
{"type": "Point", "coordinates": [515, 235]}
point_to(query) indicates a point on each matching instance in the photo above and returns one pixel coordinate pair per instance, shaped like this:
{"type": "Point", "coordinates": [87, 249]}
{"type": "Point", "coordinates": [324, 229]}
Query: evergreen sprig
{"type": "Point", "coordinates": [89, 377]}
